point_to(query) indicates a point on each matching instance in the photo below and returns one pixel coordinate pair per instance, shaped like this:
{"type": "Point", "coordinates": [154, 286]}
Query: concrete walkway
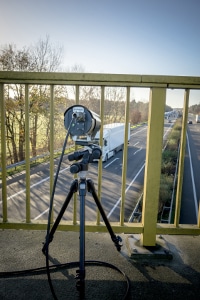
{"type": "Point", "coordinates": [151, 276]}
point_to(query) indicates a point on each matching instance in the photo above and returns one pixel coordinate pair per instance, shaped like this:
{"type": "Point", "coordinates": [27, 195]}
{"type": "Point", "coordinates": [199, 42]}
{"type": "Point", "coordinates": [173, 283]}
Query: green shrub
{"type": "Point", "coordinates": [168, 166]}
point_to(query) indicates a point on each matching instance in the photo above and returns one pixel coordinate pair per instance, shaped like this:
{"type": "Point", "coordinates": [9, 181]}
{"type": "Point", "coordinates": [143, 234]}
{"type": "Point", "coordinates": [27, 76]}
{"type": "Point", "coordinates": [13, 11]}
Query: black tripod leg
{"type": "Point", "coordinates": [115, 239]}
{"type": "Point", "coordinates": [81, 272]}
{"type": "Point", "coordinates": [73, 189]}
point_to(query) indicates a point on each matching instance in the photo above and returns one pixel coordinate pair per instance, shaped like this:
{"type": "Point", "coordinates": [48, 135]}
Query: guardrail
{"type": "Point", "coordinates": [32, 159]}
{"type": "Point", "coordinates": [148, 227]}
{"type": "Point", "coordinates": [23, 162]}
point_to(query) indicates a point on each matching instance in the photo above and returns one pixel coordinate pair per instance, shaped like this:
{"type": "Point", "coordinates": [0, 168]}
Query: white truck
{"type": "Point", "coordinates": [113, 139]}
{"type": "Point", "coordinates": [198, 118]}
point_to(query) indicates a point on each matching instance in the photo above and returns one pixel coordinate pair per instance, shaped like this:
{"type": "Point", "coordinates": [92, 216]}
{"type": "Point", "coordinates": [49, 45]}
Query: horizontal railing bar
{"type": "Point", "coordinates": [127, 228]}
{"type": "Point", "coordinates": [188, 229]}
{"type": "Point", "coordinates": [100, 79]}
{"type": "Point", "coordinates": [68, 226]}
{"type": "Point", "coordinates": [182, 86]}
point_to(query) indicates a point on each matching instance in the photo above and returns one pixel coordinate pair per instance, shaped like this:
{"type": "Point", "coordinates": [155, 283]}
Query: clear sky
{"type": "Point", "coordinates": [159, 37]}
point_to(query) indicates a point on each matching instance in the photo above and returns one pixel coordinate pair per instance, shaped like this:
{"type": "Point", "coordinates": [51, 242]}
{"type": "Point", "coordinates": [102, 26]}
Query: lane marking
{"type": "Point", "coordinates": [111, 162]}
{"type": "Point", "coordinates": [138, 131]}
{"type": "Point", "coordinates": [44, 212]}
{"type": "Point", "coordinates": [33, 185]}
{"type": "Point", "coordinates": [192, 177]}
{"type": "Point", "coordinates": [135, 144]}
{"type": "Point", "coordinates": [47, 178]}
{"type": "Point", "coordinates": [22, 191]}
{"type": "Point", "coordinates": [167, 131]}
{"type": "Point", "coordinates": [137, 151]}
{"type": "Point", "coordinates": [117, 203]}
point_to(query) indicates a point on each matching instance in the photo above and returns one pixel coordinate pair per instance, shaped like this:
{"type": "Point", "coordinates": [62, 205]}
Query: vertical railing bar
{"type": "Point", "coordinates": [198, 221]}
{"type": "Point", "coordinates": [3, 153]}
{"type": "Point", "coordinates": [102, 102]}
{"type": "Point", "coordinates": [124, 164]}
{"type": "Point", "coordinates": [181, 158]}
{"type": "Point", "coordinates": [27, 154]}
{"type": "Point", "coordinates": [51, 183]}
{"type": "Point", "coordinates": [153, 165]}
{"type": "Point", "coordinates": [77, 95]}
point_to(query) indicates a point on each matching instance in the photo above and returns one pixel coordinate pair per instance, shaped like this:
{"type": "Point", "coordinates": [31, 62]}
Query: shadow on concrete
{"type": "Point", "coordinates": [150, 278]}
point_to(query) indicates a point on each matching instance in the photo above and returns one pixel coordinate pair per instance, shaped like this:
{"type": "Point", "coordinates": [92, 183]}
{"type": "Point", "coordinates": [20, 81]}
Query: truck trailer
{"type": "Point", "coordinates": [113, 139]}
{"type": "Point", "coordinates": [198, 118]}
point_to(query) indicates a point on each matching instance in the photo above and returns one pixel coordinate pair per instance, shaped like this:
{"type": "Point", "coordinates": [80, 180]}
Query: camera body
{"type": "Point", "coordinates": [81, 123]}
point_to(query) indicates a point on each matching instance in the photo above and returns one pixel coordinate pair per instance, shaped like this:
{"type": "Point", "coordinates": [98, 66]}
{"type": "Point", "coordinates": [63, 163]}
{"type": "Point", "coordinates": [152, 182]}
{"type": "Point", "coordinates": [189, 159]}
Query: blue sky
{"type": "Point", "coordinates": [122, 36]}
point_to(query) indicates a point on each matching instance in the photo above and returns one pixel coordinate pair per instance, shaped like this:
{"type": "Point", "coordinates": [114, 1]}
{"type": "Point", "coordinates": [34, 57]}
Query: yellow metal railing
{"type": "Point", "coordinates": [158, 85]}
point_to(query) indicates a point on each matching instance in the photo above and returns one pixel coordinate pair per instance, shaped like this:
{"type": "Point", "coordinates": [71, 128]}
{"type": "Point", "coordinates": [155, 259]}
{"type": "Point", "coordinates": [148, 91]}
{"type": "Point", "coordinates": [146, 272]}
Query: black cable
{"type": "Point", "coordinates": [42, 270]}
{"type": "Point", "coordinates": [50, 211]}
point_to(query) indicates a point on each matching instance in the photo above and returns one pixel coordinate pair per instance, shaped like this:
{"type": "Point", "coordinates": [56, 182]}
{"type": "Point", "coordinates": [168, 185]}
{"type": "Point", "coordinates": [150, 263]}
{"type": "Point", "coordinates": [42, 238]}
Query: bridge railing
{"type": "Point", "coordinates": [158, 85]}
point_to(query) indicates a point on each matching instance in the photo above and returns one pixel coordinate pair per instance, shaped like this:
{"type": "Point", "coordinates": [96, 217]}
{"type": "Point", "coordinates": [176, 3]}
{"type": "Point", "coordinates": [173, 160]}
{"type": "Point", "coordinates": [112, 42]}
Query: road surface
{"type": "Point", "coordinates": [111, 185]}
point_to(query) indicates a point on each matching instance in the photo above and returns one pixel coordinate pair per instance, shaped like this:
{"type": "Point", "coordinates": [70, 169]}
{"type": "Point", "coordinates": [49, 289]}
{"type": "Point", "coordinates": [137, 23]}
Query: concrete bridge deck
{"type": "Point", "coordinates": [151, 275]}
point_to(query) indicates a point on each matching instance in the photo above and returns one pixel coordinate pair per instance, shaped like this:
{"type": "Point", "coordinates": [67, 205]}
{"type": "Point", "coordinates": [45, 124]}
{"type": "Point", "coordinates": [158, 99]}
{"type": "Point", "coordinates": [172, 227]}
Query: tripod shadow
{"type": "Point", "coordinates": [104, 281]}
{"type": "Point", "coordinates": [63, 268]}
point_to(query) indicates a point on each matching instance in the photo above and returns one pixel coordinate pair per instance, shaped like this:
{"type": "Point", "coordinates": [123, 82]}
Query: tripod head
{"type": "Point", "coordinates": [87, 155]}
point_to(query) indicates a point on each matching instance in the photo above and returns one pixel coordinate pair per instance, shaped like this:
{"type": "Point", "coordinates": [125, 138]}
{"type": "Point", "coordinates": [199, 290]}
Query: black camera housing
{"type": "Point", "coordinates": [85, 123]}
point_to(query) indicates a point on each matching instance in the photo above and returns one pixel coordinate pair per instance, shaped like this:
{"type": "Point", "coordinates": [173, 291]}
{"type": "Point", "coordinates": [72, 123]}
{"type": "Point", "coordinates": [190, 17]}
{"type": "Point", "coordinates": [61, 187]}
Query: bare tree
{"type": "Point", "coordinates": [41, 57]}
{"type": "Point", "coordinates": [12, 59]}
{"type": "Point", "coordinates": [15, 60]}
{"type": "Point", "coordinates": [46, 57]}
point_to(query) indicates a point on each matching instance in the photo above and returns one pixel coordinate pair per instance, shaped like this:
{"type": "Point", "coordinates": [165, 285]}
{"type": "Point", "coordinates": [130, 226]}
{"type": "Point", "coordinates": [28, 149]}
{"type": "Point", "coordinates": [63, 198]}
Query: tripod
{"type": "Point", "coordinates": [82, 185]}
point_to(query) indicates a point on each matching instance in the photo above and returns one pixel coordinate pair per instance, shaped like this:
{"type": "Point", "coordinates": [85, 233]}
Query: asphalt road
{"type": "Point", "coordinates": [111, 185]}
{"type": "Point", "coordinates": [191, 186]}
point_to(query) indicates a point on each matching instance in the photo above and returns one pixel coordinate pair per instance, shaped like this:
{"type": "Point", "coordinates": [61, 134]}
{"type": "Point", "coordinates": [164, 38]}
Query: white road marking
{"type": "Point", "coordinates": [138, 131]}
{"type": "Point", "coordinates": [117, 203]}
{"type": "Point", "coordinates": [47, 178]}
{"type": "Point", "coordinates": [33, 185]}
{"type": "Point", "coordinates": [137, 151]}
{"type": "Point", "coordinates": [135, 144]}
{"type": "Point", "coordinates": [192, 177]}
{"type": "Point", "coordinates": [111, 162]}
{"type": "Point", "coordinates": [44, 212]}
{"type": "Point", "coordinates": [167, 131]}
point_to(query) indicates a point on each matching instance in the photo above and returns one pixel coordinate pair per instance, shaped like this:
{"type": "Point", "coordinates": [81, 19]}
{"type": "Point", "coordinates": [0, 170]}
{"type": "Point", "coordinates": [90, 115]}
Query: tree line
{"type": "Point", "coordinates": [195, 109]}
{"type": "Point", "coordinates": [44, 57]}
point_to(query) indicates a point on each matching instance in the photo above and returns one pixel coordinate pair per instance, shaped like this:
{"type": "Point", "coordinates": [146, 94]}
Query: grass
{"type": "Point", "coordinates": [168, 167]}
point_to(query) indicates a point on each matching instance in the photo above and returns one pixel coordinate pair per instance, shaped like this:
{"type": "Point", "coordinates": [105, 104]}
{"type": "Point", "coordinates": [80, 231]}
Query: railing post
{"type": "Point", "coordinates": [27, 154]}
{"type": "Point", "coordinates": [153, 165]}
{"type": "Point", "coordinates": [77, 96]}
{"type": "Point", "coordinates": [124, 169]}
{"type": "Point", "coordinates": [3, 152]}
{"type": "Point", "coordinates": [102, 100]}
{"type": "Point", "coordinates": [51, 143]}
{"type": "Point", "coordinates": [181, 158]}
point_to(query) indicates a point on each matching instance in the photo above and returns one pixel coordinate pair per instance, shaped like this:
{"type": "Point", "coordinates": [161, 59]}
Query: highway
{"type": "Point", "coordinates": [191, 186]}
{"type": "Point", "coordinates": [111, 183]}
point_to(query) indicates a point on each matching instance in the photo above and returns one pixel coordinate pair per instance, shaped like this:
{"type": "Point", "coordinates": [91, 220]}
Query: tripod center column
{"type": "Point", "coordinates": [82, 193]}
